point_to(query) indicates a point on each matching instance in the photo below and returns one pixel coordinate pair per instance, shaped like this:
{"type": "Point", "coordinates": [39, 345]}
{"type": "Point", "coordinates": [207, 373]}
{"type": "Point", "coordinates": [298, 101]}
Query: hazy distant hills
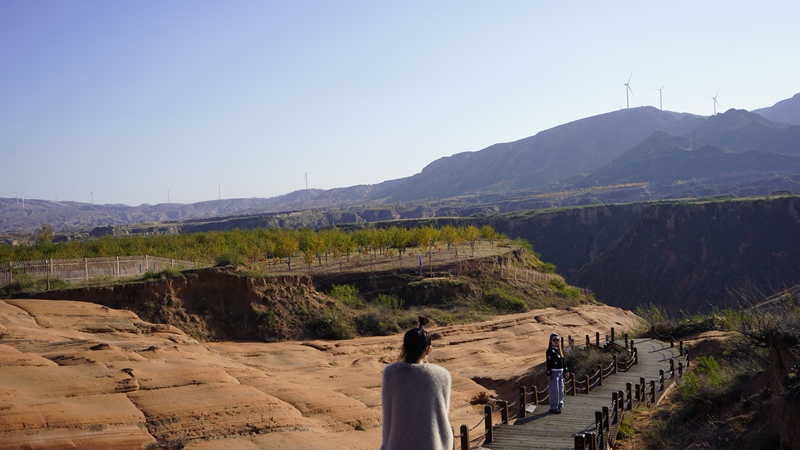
{"type": "Point", "coordinates": [740, 130]}
{"type": "Point", "coordinates": [785, 111]}
{"type": "Point", "coordinates": [588, 161]}
{"type": "Point", "coordinates": [663, 159]}
{"type": "Point", "coordinates": [27, 216]}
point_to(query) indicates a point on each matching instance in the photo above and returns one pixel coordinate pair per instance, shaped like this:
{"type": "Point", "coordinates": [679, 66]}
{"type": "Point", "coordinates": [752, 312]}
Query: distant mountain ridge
{"type": "Point", "coordinates": [543, 159]}
{"type": "Point", "coordinates": [663, 159]}
{"type": "Point", "coordinates": [785, 111]}
{"type": "Point", "coordinates": [612, 157]}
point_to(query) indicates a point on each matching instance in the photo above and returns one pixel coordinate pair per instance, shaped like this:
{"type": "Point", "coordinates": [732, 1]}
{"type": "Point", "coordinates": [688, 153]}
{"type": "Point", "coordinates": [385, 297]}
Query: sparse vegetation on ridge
{"type": "Point", "coordinates": [743, 382]}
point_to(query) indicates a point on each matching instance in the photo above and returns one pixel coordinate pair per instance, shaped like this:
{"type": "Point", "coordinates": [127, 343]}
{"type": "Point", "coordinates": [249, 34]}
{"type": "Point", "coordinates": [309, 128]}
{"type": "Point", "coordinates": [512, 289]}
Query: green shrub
{"type": "Point", "coordinates": [572, 292]}
{"type": "Point", "coordinates": [331, 324]}
{"type": "Point", "coordinates": [381, 321]}
{"type": "Point", "coordinates": [164, 274]}
{"type": "Point", "coordinates": [625, 429]}
{"type": "Point", "coordinates": [690, 385]}
{"type": "Point", "coordinates": [704, 382]}
{"type": "Point", "coordinates": [229, 259]}
{"type": "Point", "coordinates": [558, 283]}
{"type": "Point", "coordinates": [505, 302]}
{"type": "Point", "coordinates": [547, 267]}
{"type": "Point", "coordinates": [652, 314]}
{"type": "Point", "coordinates": [709, 367]}
{"type": "Point", "coordinates": [524, 244]}
{"type": "Point", "coordinates": [347, 294]}
{"type": "Point", "coordinates": [388, 301]}
{"type": "Point", "coordinates": [21, 282]}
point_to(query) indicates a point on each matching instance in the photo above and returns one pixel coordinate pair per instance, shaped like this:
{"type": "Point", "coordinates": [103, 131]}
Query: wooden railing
{"type": "Point", "coordinates": [468, 443]}
{"type": "Point", "coordinates": [633, 396]}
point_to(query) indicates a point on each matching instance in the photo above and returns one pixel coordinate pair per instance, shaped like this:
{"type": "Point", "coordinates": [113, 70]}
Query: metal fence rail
{"type": "Point", "coordinates": [84, 269]}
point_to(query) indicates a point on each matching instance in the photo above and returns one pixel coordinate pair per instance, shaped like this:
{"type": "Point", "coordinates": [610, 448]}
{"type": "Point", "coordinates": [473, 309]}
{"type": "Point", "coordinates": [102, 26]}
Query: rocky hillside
{"type": "Point", "coordinates": [214, 304]}
{"type": "Point", "coordinates": [689, 256]}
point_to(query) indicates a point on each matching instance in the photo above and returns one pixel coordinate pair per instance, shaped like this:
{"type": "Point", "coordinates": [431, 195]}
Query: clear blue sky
{"type": "Point", "coordinates": [127, 99]}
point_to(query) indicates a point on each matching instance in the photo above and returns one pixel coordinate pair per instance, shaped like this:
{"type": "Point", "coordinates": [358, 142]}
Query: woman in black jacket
{"type": "Point", "coordinates": [556, 371]}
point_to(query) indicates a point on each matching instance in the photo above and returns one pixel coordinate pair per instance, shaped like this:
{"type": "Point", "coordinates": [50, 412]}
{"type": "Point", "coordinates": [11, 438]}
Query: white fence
{"type": "Point", "coordinates": [84, 269]}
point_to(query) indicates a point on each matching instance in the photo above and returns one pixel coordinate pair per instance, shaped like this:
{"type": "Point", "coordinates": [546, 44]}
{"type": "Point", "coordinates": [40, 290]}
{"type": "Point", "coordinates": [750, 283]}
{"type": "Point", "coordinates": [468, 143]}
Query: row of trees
{"type": "Point", "coordinates": [256, 244]}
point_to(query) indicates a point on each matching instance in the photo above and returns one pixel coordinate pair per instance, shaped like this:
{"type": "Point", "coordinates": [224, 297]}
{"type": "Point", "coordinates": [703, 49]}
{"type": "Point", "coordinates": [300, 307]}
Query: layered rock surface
{"type": "Point", "coordinates": [81, 375]}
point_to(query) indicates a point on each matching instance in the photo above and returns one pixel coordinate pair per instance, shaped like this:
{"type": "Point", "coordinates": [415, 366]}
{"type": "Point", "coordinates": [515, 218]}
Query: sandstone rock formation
{"type": "Point", "coordinates": [81, 375]}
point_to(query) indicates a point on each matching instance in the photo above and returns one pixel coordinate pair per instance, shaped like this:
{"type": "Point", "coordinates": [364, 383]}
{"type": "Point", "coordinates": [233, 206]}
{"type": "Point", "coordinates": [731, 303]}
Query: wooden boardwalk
{"type": "Point", "coordinates": [544, 430]}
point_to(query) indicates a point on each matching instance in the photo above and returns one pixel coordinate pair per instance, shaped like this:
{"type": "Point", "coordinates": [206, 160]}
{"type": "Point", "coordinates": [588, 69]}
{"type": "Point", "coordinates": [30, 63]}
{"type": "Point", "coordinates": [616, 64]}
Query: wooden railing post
{"type": "Point", "coordinates": [680, 369]}
{"type": "Point", "coordinates": [629, 403]}
{"type": "Point", "coordinates": [652, 331]}
{"type": "Point", "coordinates": [653, 390]}
{"type": "Point", "coordinates": [612, 335]}
{"type": "Point", "coordinates": [587, 384]}
{"type": "Point", "coordinates": [681, 347]}
{"type": "Point", "coordinates": [626, 340]}
{"type": "Point", "coordinates": [592, 438]}
{"type": "Point", "coordinates": [504, 412]}
{"type": "Point", "coordinates": [562, 341]}
{"type": "Point", "coordinates": [574, 379]}
{"type": "Point", "coordinates": [598, 421]}
{"type": "Point", "coordinates": [615, 404]}
{"type": "Point", "coordinates": [636, 356]}
{"type": "Point", "coordinates": [606, 423]}
{"type": "Point", "coordinates": [488, 424]}
{"type": "Point", "coordinates": [660, 379]}
{"type": "Point", "coordinates": [671, 341]}
{"type": "Point", "coordinates": [85, 269]}
{"type": "Point", "coordinates": [587, 342]}
{"type": "Point", "coordinates": [464, 437]}
{"type": "Point", "coordinates": [600, 377]}
{"type": "Point", "coordinates": [522, 398]}
{"type": "Point", "coordinates": [580, 441]}
{"type": "Point", "coordinates": [616, 365]}
{"type": "Point", "coordinates": [535, 395]}
{"type": "Point", "coordinates": [643, 393]}
{"type": "Point", "coordinates": [671, 368]}
{"type": "Point", "coordinates": [597, 338]}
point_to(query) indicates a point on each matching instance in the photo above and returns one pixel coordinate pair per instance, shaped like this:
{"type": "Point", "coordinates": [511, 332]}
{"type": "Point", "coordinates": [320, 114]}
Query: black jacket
{"type": "Point", "coordinates": [555, 360]}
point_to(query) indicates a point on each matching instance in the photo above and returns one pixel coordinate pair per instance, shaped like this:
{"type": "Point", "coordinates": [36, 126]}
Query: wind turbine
{"type": "Point", "coordinates": [716, 103]}
{"type": "Point", "coordinates": [660, 102]}
{"type": "Point", "coordinates": [628, 89]}
{"type": "Point", "coordinates": [306, 174]}
{"type": "Point", "coordinates": [219, 190]}
{"type": "Point", "coordinates": [91, 194]}
{"type": "Point", "coordinates": [168, 195]}
{"type": "Point", "coordinates": [23, 200]}
{"type": "Point", "coordinates": [56, 196]}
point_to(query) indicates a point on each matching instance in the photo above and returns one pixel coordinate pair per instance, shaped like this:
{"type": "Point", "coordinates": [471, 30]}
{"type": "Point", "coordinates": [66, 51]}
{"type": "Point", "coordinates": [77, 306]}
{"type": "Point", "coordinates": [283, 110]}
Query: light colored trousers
{"type": "Point", "coordinates": [556, 389]}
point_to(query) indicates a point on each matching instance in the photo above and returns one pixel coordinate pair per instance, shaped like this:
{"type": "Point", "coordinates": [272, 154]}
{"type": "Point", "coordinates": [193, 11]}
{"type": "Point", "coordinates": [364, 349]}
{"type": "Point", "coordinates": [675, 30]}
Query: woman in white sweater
{"type": "Point", "coordinates": [416, 398]}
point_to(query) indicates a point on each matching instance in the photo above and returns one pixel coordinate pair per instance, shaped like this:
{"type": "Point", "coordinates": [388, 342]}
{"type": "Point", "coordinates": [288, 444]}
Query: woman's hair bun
{"type": "Point", "coordinates": [422, 321]}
